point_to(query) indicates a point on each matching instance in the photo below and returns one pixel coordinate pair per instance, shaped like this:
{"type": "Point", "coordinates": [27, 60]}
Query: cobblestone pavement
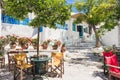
{"type": "Point", "coordinates": [82, 65]}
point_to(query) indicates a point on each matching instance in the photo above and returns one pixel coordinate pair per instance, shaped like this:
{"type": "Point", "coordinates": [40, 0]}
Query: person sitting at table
{"type": "Point", "coordinates": [65, 52]}
{"type": "Point", "coordinates": [13, 45]}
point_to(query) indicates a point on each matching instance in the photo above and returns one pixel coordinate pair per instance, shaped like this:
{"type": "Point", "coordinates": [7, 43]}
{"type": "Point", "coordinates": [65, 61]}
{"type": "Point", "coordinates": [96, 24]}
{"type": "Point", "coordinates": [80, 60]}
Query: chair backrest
{"type": "Point", "coordinates": [20, 58]}
{"type": "Point", "coordinates": [112, 60]}
{"type": "Point", "coordinates": [56, 58]}
{"type": "Point", "coordinates": [108, 54]}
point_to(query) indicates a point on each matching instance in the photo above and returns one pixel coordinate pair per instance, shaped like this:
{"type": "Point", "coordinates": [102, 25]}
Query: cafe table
{"type": "Point", "coordinates": [40, 65]}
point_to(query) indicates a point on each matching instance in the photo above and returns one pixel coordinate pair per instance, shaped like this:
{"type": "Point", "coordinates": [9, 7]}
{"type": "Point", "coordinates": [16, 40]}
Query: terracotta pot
{"type": "Point", "coordinates": [55, 47]}
{"type": "Point", "coordinates": [25, 46]}
{"type": "Point", "coordinates": [44, 46]}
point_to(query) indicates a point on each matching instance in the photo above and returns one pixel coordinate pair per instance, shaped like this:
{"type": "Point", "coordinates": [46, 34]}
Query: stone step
{"type": "Point", "coordinates": [82, 45]}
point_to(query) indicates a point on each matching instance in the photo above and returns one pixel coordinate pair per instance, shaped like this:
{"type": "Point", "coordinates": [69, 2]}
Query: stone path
{"type": "Point", "coordinates": [83, 65]}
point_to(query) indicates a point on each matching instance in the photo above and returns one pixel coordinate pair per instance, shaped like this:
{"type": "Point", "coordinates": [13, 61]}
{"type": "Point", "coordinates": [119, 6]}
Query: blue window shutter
{"type": "Point", "coordinates": [41, 29]}
{"type": "Point", "coordinates": [74, 27]}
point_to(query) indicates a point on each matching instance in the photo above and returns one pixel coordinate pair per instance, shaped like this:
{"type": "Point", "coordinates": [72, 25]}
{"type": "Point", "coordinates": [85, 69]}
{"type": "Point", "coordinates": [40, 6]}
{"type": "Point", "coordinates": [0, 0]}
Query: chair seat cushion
{"type": "Point", "coordinates": [25, 66]}
{"type": "Point", "coordinates": [116, 74]}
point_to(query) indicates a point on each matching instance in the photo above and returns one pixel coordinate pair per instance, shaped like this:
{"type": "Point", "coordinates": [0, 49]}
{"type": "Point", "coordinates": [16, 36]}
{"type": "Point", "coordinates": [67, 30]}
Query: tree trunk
{"type": "Point", "coordinates": [38, 41]}
{"type": "Point", "coordinates": [97, 40]}
{"type": "Point", "coordinates": [90, 29]}
{"type": "Point", "coordinates": [96, 36]}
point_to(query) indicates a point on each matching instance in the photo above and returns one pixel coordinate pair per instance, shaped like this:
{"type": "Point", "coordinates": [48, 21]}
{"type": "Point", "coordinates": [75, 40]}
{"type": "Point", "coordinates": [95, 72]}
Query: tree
{"type": "Point", "coordinates": [117, 10]}
{"type": "Point", "coordinates": [48, 13]}
{"type": "Point", "coordinates": [95, 12]}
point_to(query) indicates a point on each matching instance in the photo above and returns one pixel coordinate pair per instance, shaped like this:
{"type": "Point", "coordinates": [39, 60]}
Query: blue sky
{"type": "Point", "coordinates": [71, 2]}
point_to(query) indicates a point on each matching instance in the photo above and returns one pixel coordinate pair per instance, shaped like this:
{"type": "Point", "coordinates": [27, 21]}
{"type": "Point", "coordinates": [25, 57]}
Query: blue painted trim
{"type": "Point", "coordinates": [11, 20]}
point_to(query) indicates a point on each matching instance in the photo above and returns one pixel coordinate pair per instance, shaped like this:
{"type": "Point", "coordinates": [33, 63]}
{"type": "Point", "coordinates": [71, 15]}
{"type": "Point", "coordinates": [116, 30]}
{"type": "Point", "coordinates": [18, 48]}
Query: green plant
{"type": "Point", "coordinates": [108, 48]}
{"type": "Point", "coordinates": [57, 12]}
{"type": "Point", "coordinates": [45, 44]}
{"type": "Point", "coordinates": [34, 43]}
{"type": "Point", "coordinates": [3, 42]}
{"type": "Point", "coordinates": [11, 38]}
{"type": "Point", "coordinates": [1, 53]}
{"type": "Point", "coordinates": [23, 41]}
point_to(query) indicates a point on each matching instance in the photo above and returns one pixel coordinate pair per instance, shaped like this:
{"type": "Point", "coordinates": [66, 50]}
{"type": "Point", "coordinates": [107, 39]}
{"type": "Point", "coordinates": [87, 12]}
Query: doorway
{"type": "Point", "coordinates": [80, 30]}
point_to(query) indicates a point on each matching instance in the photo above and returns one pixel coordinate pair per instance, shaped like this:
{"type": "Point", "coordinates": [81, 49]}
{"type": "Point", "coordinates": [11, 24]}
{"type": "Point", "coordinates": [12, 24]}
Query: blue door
{"type": "Point", "coordinates": [80, 30]}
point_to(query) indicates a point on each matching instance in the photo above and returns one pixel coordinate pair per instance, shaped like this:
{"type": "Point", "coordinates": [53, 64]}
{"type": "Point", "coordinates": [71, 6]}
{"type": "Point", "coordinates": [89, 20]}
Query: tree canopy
{"type": "Point", "coordinates": [95, 12]}
{"type": "Point", "coordinates": [47, 13]}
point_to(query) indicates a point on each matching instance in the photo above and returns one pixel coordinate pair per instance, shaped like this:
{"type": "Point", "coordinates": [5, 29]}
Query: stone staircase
{"type": "Point", "coordinates": [80, 45]}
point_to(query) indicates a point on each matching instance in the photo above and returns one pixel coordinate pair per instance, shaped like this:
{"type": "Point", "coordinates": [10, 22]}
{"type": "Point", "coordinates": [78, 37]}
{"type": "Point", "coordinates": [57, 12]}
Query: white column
{"type": "Point", "coordinates": [0, 20]}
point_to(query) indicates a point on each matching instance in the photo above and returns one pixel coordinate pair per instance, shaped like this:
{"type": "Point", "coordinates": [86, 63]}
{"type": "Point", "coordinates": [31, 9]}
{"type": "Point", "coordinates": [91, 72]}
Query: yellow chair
{"type": "Point", "coordinates": [21, 65]}
{"type": "Point", "coordinates": [57, 64]}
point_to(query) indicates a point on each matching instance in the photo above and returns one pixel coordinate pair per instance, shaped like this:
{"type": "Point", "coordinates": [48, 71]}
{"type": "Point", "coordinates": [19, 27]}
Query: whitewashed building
{"type": "Point", "coordinates": [68, 33]}
{"type": "Point", "coordinates": [9, 25]}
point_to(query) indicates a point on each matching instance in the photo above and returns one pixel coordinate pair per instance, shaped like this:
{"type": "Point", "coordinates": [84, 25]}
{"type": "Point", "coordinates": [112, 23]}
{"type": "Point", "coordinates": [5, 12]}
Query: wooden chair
{"type": "Point", "coordinates": [21, 66]}
{"type": "Point", "coordinates": [57, 64]}
{"type": "Point", "coordinates": [2, 62]}
{"type": "Point", "coordinates": [113, 65]}
{"type": "Point", "coordinates": [106, 54]}
{"type": "Point", "coordinates": [116, 50]}
{"type": "Point", "coordinates": [11, 60]}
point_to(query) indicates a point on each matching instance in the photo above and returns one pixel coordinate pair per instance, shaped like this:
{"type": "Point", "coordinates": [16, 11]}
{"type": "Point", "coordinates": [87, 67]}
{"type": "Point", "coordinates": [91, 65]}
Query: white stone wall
{"type": "Point", "coordinates": [111, 37]}
{"type": "Point", "coordinates": [48, 33]}
{"type": "Point", "coordinates": [19, 30]}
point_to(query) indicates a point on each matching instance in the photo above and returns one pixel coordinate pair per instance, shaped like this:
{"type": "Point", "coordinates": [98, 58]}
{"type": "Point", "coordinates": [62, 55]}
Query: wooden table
{"type": "Point", "coordinates": [11, 52]}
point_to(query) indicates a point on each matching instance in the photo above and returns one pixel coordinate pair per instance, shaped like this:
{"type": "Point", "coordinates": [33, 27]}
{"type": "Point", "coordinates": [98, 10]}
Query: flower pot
{"type": "Point", "coordinates": [44, 46]}
{"type": "Point", "coordinates": [55, 47]}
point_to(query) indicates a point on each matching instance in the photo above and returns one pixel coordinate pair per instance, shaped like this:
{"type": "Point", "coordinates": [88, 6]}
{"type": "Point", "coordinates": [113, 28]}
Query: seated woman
{"type": "Point", "coordinates": [65, 52]}
{"type": "Point", "coordinates": [13, 45]}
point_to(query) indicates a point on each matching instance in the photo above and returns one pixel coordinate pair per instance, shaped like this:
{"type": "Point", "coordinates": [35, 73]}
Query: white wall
{"type": "Point", "coordinates": [49, 33]}
{"type": "Point", "coordinates": [111, 37]}
{"type": "Point", "coordinates": [19, 30]}
{"type": "Point", "coordinates": [59, 34]}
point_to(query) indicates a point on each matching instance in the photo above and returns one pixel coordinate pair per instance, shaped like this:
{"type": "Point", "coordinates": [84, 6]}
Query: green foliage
{"type": "Point", "coordinates": [117, 10]}
{"type": "Point", "coordinates": [34, 42]}
{"type": "Point", "coordinates": [47, 13]}
{"type": "Point", "coordinates": [11, 38]}
{"type": "Point", "coordinates": [56, 11]}
{"type": "Point", "coordinates": [3, 42]}
{"type": "Point", "coordinates": [98, 11]}
{"type": "Point", "coordinates": [23, 41]}
{"type": "Point", "coordinates": [1, 53]}
{"type": "Point", "coordinates": [108, 48]}
{"type": "Point", "coordinates": [95, 12]}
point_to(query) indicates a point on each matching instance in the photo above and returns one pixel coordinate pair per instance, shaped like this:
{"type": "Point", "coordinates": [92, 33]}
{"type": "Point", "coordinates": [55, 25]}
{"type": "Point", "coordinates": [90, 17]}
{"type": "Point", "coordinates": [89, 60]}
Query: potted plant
{"type": "Point", "coordinates": [107, 49]}
{"type": "Point", "coordinates": [45, 45]}
{"type": "Point", "coordinates": [57, 44]}
{"type": "Point", "coordinates": [3, 42]}
{"type": "Point", "coordinates": [34, 43]}
{"type": "Point", "coordinates": [12, 40]}
{"type": "Point", "coordinates": [23, 42]}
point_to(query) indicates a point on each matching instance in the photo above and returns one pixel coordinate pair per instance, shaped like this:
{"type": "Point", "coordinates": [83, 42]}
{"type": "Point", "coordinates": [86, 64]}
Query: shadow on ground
{"type": "Point", "coordinates": [89, 60]}
{"type": "Point", "coordinates": [6, 75]}
{"type": "Point", "coordinates": [100, 74]}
